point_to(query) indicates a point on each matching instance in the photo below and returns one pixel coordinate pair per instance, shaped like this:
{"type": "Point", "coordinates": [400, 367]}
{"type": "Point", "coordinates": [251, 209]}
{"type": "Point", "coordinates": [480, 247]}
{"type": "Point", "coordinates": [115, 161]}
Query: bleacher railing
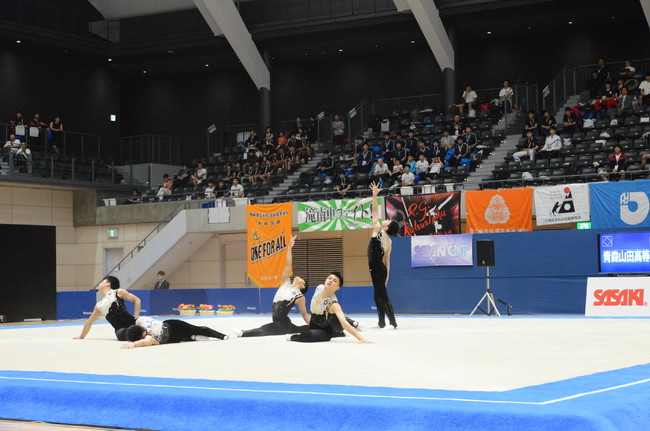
{"type": "Point", "coordinates": [150, 149]}
{"type": "Point", "coordinates": [573, 79]}
{"type": "Point", "coordinates": [74, 143]}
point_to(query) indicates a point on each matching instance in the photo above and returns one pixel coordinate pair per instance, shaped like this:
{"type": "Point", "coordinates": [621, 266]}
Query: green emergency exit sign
{"type": "Point", "coordinates": [583, 225]}
{"type": "Point", "coordinates": [113, 233]}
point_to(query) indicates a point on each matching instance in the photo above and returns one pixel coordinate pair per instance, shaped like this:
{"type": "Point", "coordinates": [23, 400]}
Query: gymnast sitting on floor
{"type": "Point", "coordinates": [112, 306]}
{"type": "Point", "coordinates": [287, 295]}
{"type": "Point", "coordinates": [151, 332]}
{"type": "Point", "coordinates": [324, 308]}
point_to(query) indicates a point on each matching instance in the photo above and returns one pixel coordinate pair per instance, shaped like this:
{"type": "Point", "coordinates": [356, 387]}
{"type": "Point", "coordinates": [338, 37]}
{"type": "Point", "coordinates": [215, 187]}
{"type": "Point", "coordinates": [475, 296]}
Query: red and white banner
{"type": "Point", "coordinates": [617, 296]}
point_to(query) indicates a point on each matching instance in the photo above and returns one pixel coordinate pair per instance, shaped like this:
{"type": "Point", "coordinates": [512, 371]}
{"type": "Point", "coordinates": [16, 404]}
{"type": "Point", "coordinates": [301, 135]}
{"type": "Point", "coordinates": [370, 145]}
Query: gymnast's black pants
{"type": "Point", "coordinates": [279, 326]}
{"type": "Point", "coordinates": [179, 330]}
{"type": "Point", "coordinates": [384, 307]}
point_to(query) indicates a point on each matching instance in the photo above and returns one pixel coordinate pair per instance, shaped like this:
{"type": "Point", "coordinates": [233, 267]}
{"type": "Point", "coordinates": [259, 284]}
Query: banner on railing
{"type": "Point", "coordinates": [343, 214]}
{"type": "Point", "coordinates": [441, 250]}
{"type": "Point", "coordinates": [621, 204]}
{"type": "Point", "coordinates": [491, 211]}
{"type": "Point", "coordinates": [437, 214]}
{"type": "Point", "coordinates": [568, 203]}
{"type": "Point", "coordinates": [269, 233]}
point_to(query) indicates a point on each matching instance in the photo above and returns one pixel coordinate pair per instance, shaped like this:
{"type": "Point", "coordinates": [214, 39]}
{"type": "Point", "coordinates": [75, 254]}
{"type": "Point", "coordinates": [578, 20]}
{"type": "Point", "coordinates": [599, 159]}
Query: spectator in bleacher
{"type": "Point", "coordinates": [410, 161]}
{"type": "Point", "coordinates": [624, 105]}
{"type": "Point", "coordinates": [423, 149]}
{"type": "Point", "coordinates": [410, 143]}
{"type": "Point", "coordinates": [300, 132]}
{"type": "Point", "coordinates": [461, 153]}
{"type": "Point", "coordinates": [364, 161]}
{"type": "Point", "coordinates": [326, 165]}
{"type": "Point", "coordinates": [400, 153]}
{"type": "Point", "coordinates": [22, 158]}
{"type": "Point", "coordinates": [269, 139]}
{"type": "Point", "coordinates": [312, 129]}
{"type": "Point", "coordinates": [435, 167]}
{"type": "Point", "coordinates": [644, 91]}
{"type": "Point", "coordinates": [627, 72]}
{"type": "Point", "coordinates": [456, 127]}
{"type": "Point", "coordinates": [470, 138]}
{"type": "Point", "coordinates": [343, 184]}
{"type": "Point", "coordinates": [618, 89]}
{"type": "Point", "coordinates": [247, 172]}
{"type": "Point", "coordinates": [295, 156]}
{"type": "Point", "coordinates": [469, 99]}
{"type": "Point", "coordinates": [135, 198]}
{"type": "Point", "coordinates": [598, 78]}
{"type": "Point", "coordinates": [252, 141]}
{"type": "Point", "coordinates": [506, 96]}
{"type": "Point", "coordinates": [398, 170]}
{"type": "Point", "coordinates": [165, 188]}
{"type": "Point", "coordinates": [617, 164]}
{"type": "Point", "coordinates": [236, 190]}
{"type": "Point", "coordinates": [529, 149]}
{"type": "Point", "coordinates": [292, 141]}
{"type": "Point", "coordinates": [421, 166]}
{"type": "Point", "coordinates": [55, 135]}
{"type": "Point", "coordinates": [18, 121]}
{"type": "Point", "coordinates": [407, 178]}
{"type": "Point", "coordinates": [380, 172]}
{"type": "Point", "coordinates": [569, 121]}
{"type": "Point", "coordinates": [222, 189]}
{"type": "Point", "coordinates": [447, 141]}
{"type": "Point", "coordinates": [299, 126]}
{"type": "Point", "coordinates": [304, 144]}
{"type": "Point", "coordinates": [281, 139]}
{"type": "Point", "coordinates": [548, 121]}
{"type": "Point", "coordinates": [200, 175]}
{"type": "Point", "coordinates": [531, 124]}
{"type": "Point", "coordinates": [552, 146]}
{"type": "Point", "coordinates": [338, 130]}
{"type": "Point", "coordinates": [209, 192]}
{"type": "Point", "coordinates": [436, 150]}
{"type": "Point", "coordinates": [644, 160]}
{"type": "Point", "coordinates": [268, 171]}
{"type": "Point", "coordinates": [358, 147]}
{"type": "Point", "coordinates": [36, 122]}
{"type": "Point", "coordinates": [256, 171]}
{"type": "Point", "coordinates": [608, 99]}
{"type": "Point", "coordinates": [230, 173]}
{"type": "Point", "coordinates": [12, 144]}
{"type": "Point", "coordinates": [387, 147]}
{"type": "Point", "coordinates": [182, 177]}
{"type": "Point", "coordinates": [282, 160]}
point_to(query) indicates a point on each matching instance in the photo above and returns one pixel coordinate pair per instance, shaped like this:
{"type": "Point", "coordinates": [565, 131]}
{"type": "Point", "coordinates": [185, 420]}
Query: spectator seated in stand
{"type": "Point", "coordinates": [380, 172]}
{"type": "Point", "coordinates": [423, 149]}
{"type": "Point", "coordinates": [183, 177]}
{"type": "Point", "coordinates": [400, 153]}
{"type": "Point", "coordinates": [231, 173]}
{"type": "Point", "coordinates": [12, 145]}
{"type": "Point", "coordinates": [624, 108]}
{"type": "Point", "coordinates": [469, 101]}
{"type": "Point", "coordinates": [461, 153]}
{"type": "Point", "coordinates": [607, 100]}
{"type": "Point", "coordinates": [386, 148]}
{"type": "Point", "coordinates": [269, 139]}
{"type": "Point", "coordinates": [548, 121]}
{"type": "Point", "coordinates": [135, 198]}
{"type": "Point", "coordinates": [221, 190]}
{"type": "Point", "coordinates": [326, 165]}
{"type": "Point", "coordinates": [343, 184]}
{"type": "Point", "coordinates": [456, 127]}
{"type": "Point", "coordinates": [506, 96]}
{"type": "Point", "coordinates": [552, 146]}
{"type": "Point", "coordinates": [470, 139]}
{"type": "Point", "coordinates": [200, 175]}
{"type": "Point", "coordinates": [364, 160]}
{"type": "Point", "coordinates": [410, 144]}
{"type": "Point", "coordinates": [569, 122]}
{"type": "Point", "coordinates": [529, 149]}
{"type": "Point", "coordinates": [628, 71]}
{"type": "Point", "coordinates": [410, 162]}
{"type": "Point", "coordinates": [236, 190]}
{"type": "Point", "coordinates": [398, 169]}
{"type": "Point", "coordinates": [165, 188]}
{"type": "Point", "coordinates": [18, 121]}
{"type": "Point", "coordinates": [435, 150]}
{"type": "Point", "coordinates": [407, 178]}
{"type": "Point", "coordinates": [304, 144]}
{"type": "Point", "coordinates": [435, 167]}
{"type": "Point", "coordinates": [447, 142]}
{"type": "Point", "coordinates": [531, 124]}
{"type": "Point", "coordinates": [256, 172]}
{"type": "Point", "coordinates": [22, 158]}
{"type": "Point", "coordinates": [421, 166]}
{"type": "Point", "coordinates": [268, 171]}
{"type": "Point", "coordinates": [617, 165]}
{"type": "Point", "coordinates": [209, 192]}
{"type": "Point", "coordinates": [644, 91]}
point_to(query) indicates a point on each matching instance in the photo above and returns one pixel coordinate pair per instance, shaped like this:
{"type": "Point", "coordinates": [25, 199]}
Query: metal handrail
{"type": "Point", "coordinates": [142, 243]}
{"type": "Point", "coordinates": [40, 142]}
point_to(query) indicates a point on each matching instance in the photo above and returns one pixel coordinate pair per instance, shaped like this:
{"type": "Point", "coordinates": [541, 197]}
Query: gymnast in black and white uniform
{"type": "Point", "coordinates": [148, 331]}
{"type": "Point", "coordinates": [113, 307]}
{"type": "Point", "coordinates": [288, 294]}
{"type": "Point", "coordinates": [326, 314]}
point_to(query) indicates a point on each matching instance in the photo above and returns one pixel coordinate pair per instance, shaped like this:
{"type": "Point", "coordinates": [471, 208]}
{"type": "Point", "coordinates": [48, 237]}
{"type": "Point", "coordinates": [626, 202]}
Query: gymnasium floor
{"type": "Point", "coordinates": [537, 372]}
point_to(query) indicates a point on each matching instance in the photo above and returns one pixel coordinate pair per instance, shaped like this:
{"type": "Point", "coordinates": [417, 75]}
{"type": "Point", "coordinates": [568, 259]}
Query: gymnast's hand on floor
{"type": "Point", "coordinates": [364, 341]}
{"type": "Point", "coordinates": [128, 346]}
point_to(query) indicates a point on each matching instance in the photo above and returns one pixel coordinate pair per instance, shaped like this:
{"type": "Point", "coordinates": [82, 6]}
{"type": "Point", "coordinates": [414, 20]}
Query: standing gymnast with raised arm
{"type": "Point", "coordinates": [287, 295]}
{"type": "Point", "coordinates": [112, 306]}
{"type": "Point", "coordinates": [379, 249]}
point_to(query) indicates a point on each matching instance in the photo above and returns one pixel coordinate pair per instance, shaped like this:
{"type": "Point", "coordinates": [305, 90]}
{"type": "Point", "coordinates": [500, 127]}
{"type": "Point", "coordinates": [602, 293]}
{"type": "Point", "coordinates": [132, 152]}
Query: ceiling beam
{"type": "Point", "coordinates": [645, 4]}
{"type": "Point", "coordinates": [427, 16]}
{"type": "Point", "coordinates": [223, 18]}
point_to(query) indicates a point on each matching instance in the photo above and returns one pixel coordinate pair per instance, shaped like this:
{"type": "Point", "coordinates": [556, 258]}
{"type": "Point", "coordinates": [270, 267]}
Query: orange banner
{"type": "Point", "coordinates": [509, 210]}
{"type": "Point", "coordinates": [269, 233]}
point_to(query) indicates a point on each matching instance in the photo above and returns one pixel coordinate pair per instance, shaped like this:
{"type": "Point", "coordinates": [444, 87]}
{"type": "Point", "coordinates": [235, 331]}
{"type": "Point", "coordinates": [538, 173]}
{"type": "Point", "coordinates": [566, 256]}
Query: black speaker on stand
{"type": "Point", "coordinates": [485, 258]}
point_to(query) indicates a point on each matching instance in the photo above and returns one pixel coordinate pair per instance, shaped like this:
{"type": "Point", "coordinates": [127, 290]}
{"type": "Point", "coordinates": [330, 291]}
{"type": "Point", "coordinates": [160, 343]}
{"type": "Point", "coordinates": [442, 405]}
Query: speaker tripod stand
{"type": "Point", "coordinates": [488, 297]}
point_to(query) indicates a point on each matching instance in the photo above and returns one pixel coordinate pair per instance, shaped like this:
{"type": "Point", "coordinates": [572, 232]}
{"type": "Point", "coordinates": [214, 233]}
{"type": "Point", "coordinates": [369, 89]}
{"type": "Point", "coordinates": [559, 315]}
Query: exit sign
{"type": "Point", "coordinates": [583, 225]}
{"type": "Point", "coordinates": [113, 233]}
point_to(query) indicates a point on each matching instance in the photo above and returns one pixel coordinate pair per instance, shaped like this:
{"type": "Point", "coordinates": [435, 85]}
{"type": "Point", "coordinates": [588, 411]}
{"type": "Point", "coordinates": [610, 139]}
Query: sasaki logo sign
{"type": "Point", "coordinates": [616, 297]}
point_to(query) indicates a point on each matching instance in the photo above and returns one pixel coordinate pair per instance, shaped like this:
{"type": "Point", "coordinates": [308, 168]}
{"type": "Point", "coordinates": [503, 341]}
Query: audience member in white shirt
{"type": "Point", "coordinates": [12, 144]}
{"type": "Point", "coordinates": [469, 99]}
{"type": "Point", "coordinates": [552, 146]}
{"type": "Point", "coordinates": [408, 179]}
{"type": "Point", "coordinates": [236, 190]}
{"type": "Point", "coordinates": [644, 91]}
{"type": "Point", "coordinates": [421, 166]}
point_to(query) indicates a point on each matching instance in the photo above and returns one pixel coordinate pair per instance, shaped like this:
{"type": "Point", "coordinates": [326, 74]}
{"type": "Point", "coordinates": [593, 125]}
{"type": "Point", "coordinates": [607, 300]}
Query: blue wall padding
{"type": "Point", "coordinates": [182, 404]}
{"type": "Point", "coordinates": [536, 272]}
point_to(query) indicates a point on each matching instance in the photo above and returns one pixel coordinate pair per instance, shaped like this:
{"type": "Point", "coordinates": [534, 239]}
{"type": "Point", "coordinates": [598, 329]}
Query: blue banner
{"type": "Point", "coordinates": [620, 205]}
{"type": "Point", "coordinates": [441, 250]}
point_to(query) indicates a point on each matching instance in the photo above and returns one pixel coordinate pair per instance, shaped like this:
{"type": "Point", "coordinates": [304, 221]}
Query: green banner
{"type": "Point", "coordinates": [344, 214]}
